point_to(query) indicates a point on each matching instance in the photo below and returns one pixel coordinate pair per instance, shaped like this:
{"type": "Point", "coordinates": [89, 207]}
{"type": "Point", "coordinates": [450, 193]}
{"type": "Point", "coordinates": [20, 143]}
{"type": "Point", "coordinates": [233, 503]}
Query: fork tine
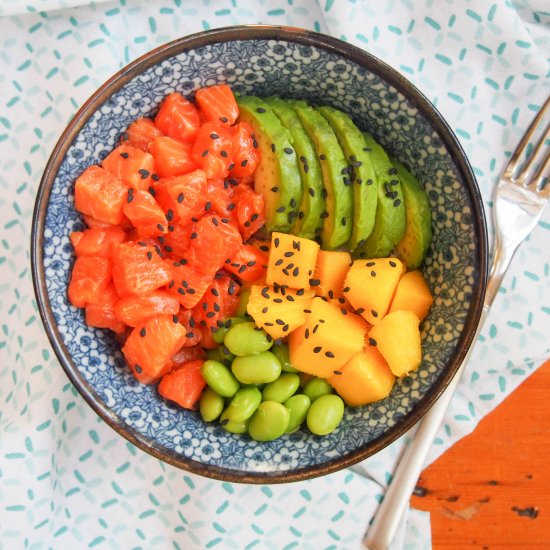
{"type": "Point", "coordinates": [523, 177]}
{"type": "Point", "coordinates": [542, 174]}
{"type": "Point", "coordinates": [516, 155]}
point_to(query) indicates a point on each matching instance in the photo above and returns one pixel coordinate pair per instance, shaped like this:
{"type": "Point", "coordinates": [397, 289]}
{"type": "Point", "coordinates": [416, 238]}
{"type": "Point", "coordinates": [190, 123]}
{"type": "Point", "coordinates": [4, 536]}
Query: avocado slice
{"type": "Point", "coordinates": [277, 176]}
{"type": "Point", "coordinates": [412, 248]}
{"type": "Point", "coordinates": [390, 222]}
{"type": "Point", "coordinates": [309, 222]}
{"type": "Point", "coordinates": [338, 214]}
{"type": "Point", "coordinates": [365, 197]}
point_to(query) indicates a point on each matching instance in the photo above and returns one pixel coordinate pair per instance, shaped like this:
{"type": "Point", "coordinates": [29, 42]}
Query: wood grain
{"type": "Point", "coordinates": [492, 488]}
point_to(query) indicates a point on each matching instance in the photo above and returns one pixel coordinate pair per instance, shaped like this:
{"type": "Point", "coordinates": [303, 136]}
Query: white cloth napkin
{"type": "Point", "coordinates": [66, 479]}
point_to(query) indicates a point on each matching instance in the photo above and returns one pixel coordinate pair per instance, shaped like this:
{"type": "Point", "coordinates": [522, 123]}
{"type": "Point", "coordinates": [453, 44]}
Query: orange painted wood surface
{"type": "Point", "coordinates": [491, 489]}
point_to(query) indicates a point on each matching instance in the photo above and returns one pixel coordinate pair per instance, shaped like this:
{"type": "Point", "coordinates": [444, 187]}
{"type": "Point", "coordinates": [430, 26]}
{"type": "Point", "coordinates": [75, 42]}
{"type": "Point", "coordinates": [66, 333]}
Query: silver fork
{"type": "Point", "coordinates": [520, 197]}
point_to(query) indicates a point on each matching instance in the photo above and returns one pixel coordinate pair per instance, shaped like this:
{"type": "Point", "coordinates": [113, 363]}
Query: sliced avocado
{"type": "Point", "coordinates": [338, 214]}
{"type": "Point", "coordinates": [389, 223]}
{"type": "Point", "coordinates": [309, 222]}
{"type": "Point", "coordinates": [412, 248]}
{"type": "Point", "coordinates": [277, 176]}
{"type": "Point", "coordinates": [363, 176]}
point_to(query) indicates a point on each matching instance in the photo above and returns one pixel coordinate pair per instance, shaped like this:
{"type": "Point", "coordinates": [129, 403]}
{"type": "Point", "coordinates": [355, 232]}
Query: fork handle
{"type": "Point", "coordinates": [391, 510]}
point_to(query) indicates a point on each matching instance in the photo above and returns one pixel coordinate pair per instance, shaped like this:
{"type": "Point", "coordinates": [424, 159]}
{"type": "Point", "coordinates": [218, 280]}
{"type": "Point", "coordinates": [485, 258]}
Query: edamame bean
{"type": "Point", "coordinates": [219, 378]}
{"type": "Point", "coordinates": [317, 387]}
{"type": "Point", "coordinates": [211, 404]}
{"type": "Point", "coordinates": [298, 405]}
{"type": "Point", "coordinates": [247, 339]}
{"type": "Point", "coordinates": [220, 333]}
{"type": "Point", "coordinates": [281, 389]}
{"type": "Point", "coordinates": [243, 405]}
{"type": "Point", "coordinates": [244, 295]}
{"type": "Point", "coordinates": [269, 421]}
{"type": "Point", "coordinates": [220, 354]}
{"type": "Point", "coordinates": [281, 352]}
{"type": "Point", "coordinates": [233, 427]}
{"type": "Point", "coordinates": [256, 369]}
{"type": "Point", "coordinates": [325, 413]}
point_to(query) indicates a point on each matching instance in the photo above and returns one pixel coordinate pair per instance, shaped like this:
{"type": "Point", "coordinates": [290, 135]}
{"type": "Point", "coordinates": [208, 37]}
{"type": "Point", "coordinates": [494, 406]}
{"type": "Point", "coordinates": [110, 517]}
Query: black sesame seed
{"type": "Point", "coordinates": [260, 110]}
{"type": "Point", "coordinates": [306, 168]}
{"type": "Point", "coordinates": [315, 328]}
{"type": "Point", "coordinates": [369, 182]}
{"type": "Point", "coordinates": [264, 248]}
{"type": "Point", "coordinates": [242, 269]}
{"type": "Point", "coordinates": [300, 292]}
{"type": "Point", "coordinates": [337, 372]}
{"type": "Point", "coordinates": [180, 198]}
{"type": "Point", "coordinates": [130, 197]}
{"type": "Point", "coordinates": [214, 136]}
{"type": "Point", "coordinates": [144, 173]}
{"type": "Point", "coordinates": [346, 289]}
{"type": "Point", "coordinates": [276, 242]}
{"type": "Point", "coordinates": [170, 228]}
{"type": "Point", "coordinates": [374, 313]}
{"type": "Point", "coordinates": [143, 332]}
{"type": "Point", "coordinates": [322, 157]}
{"type": "Point", "coordinates": [207, 206]}
{"type": "Point", "coordinates": [329, 354]}
{"type": "Point", "coordinates": [223, 154]}
{"type": "Point", "coordinates": [392, 171]}
{"type": "Point", "coordinates": [281, 209]}
{"type": "Point", "coordinates": [392, 263]}
{"type": "Point", "coordinates": [124, 155]}
{"type": "Point", "coordinates": [152, 192]}
{"type": "Point", "coordinates": [204, 153]}
{"type": "Point", "coordinates": [360, 310]}
{"type": "Point", "coordinates": [150, 255]}
{"type": "Point", "coordinates": [160, 227]}
{"type": "Point", "coordinates": [288, 150]}
{"type": "Point", "coordinates": [190, 291]}
{"type": "Point", "coordinates": [372, 342]}
{"type": "Point", "coordinates": [273, 148]}
{"type": "Point", "coordinates": [279, 262]}
{"type": "Point", "coordinates": [373, 273]}
{"type": "Point", "coordinates": [280, 322]}
{"type": "Point", "coordinates": [181, 291]}
{"type": "Point", "coordinates": [293, 203]}
{"type": "Point", "coordinates": [344, 220]}
{"type": "Point", "coordinates": [288, 254]}
{"type": "Point", "coordinates": [396, 202]}
{"type": "Point", "coordinates": [139, 370]}
{"type": "Point", "coordinates": [265, 310]}
{"type": "Point", "coordinates": [344, 311]}
{"type": "Point", "coordinates": [172, 283]}
{"type": "Point", "coordinates": [370, 264]}
{"type": "Point", "coordinates": [317, 349]}
{"type": "Point", "coordinates": [314, 282]}
{"type": "Point", "coordinates": [324, 215]}
{"type": "Point", "coordinates": [296, 272]}
{"type": "Point", "coordinates": [275, 189]}
{"type": "Point", "coordinates": [231, 206]}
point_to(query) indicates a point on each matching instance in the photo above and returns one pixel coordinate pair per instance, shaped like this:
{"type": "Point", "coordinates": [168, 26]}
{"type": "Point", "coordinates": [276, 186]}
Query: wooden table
{"type": "Point", "coordinates": [491, 490]}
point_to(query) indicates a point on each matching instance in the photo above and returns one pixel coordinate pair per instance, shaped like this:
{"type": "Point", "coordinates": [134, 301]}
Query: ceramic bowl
{"type": "Point", "coordinates": [292, 63]}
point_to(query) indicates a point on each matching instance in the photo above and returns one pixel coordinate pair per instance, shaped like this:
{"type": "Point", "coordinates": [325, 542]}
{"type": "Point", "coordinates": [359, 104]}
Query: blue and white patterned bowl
{"type": "Point", "coordinates": [291, 63]}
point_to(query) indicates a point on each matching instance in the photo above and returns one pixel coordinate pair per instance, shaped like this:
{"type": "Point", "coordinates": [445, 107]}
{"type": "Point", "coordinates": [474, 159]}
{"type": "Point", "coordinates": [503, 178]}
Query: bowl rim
{"type": "Point", "coordinates": [228, 34]}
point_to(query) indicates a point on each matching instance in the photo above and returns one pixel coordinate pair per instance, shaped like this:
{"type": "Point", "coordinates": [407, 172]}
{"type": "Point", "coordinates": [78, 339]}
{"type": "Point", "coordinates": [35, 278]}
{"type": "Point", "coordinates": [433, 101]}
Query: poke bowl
{"type": "Point", "coordinates": [297, 66]}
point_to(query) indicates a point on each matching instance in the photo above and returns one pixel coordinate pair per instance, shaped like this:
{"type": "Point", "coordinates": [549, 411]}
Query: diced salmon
{"type": "Point", "coordinates": [145, 213]}
{"type": "Point", "coordinates": [149, 348]}
{"type": "Point", "coordinates": [89, 279]}
{"type": "Point", "coordinates": [138, 269]}
{"type": "Point", "coordinates": [184, 385]}
{"type": "Point", "coordinates": [97, 241]}
{"type": "Point", "coordinates": [132, 310]}
{"type": "Point", "coordinates": [178, 118]}
{"type": "Point", "coordinates": [185, 196]}
{"type": "Point", "coordinates": [142, 132]}
{"type": "Point", "coordinates": [172, 157]}
{"type": "Point", "coordinates": [102, 313]}
{"type": "Point", "coordinates": [100, 195]}
{"type": "Point", "coordinates": [132, 165]}
{"type": "Point", "coordinates": [218, 104]}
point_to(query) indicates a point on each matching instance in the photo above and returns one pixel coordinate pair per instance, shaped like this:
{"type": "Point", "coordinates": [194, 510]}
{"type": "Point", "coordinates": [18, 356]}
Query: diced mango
{"type": "Point", "coordinates": [397, 337]}
{"type": "Point", "coordinates": [278, 310]}
{"type": "Point", "coordinates": [327, 339]}
{"type": "Point", "coordinates": [412, 293]}
{"type": "Point", "coordinates": [291, 261]}
{"type": "Point", "coordinates": [365, 378]}
{"type": "Point", "coordinates": [370, 285]}
{"type": "Point", "coordinates": [331, 269]}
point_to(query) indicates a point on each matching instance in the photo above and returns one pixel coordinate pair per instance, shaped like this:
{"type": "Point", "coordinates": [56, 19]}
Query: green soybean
{"type": "Point", "coordinates": [220, 354]}
{"type": "Point", "coordinates": [269, 421]}
{"type": "Point", "coordinates": [282, 354]}
{"type": "Point", "coordinates": [220, 333]}
{"type": "Point", "coordinates": [220, 378]}
{"type": "Point", "coordinates": [247, 339]}
{"type": "Point", "coordinates": [317, 387]}
{"type": "Point", "coordinates": [211, 404]}
{"type": "Point", "coordinates": [298, 405]}
{"type": "Point", "coordinates": [244, 295]}
{"type": "Point", "coordinates": [256, 369]}
{"type": "Point", "coordinates": [281, 389]}
{"type": "Point", "coordinates": [324, 414]}
{"type": "Point", "coordinates": [233, 427]}
{"type": "Point", "coordinates": [243, 405]}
